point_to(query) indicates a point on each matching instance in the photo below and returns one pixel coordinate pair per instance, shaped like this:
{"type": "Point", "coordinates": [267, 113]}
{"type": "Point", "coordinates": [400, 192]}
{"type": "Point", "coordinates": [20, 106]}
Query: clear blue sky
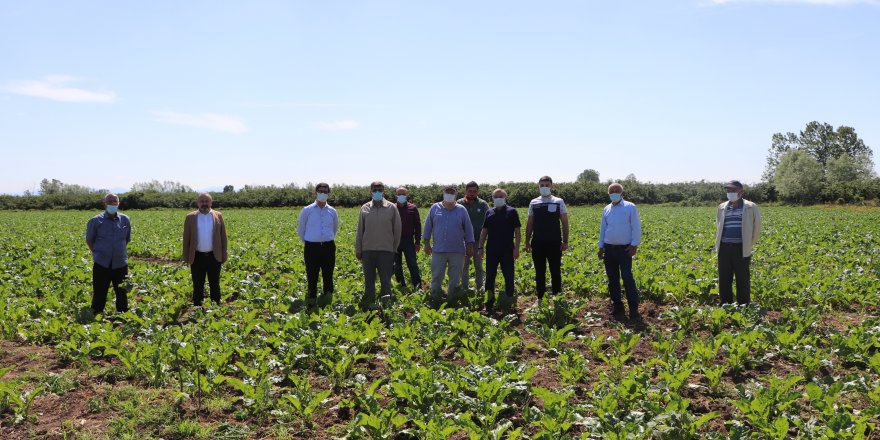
{"type": "Point", "coordinates": [208, 93]}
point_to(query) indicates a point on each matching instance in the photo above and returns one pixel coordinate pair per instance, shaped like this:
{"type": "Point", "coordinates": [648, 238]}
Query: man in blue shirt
{"type": "Point", "coordinates": [450, 226]}
{"type": "Point", "coordinates": [501, 228]}
{"type": "Point", "coordinates": [318, 224]}
{"type": "Point", "coordinates": [108, 235]}
{"type": "Point", "coordinates": [620, 235]}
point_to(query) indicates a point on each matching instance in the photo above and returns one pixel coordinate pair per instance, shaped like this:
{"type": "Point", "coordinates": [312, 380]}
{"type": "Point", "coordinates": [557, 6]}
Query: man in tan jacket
{"type": "Point", "coordinates": [737, 228]}
{"type": "Point", "coordinates": [377, 239]}
{"type": "Point", "coordinates": [204, 248]}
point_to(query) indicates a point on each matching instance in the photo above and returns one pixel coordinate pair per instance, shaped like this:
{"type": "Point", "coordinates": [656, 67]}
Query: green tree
{"type": "Point", "coordinates": [588, 175]}
{"type": "Point", "coordinates": [821, 142]}
{"type": "Point", "coordinates": [798, 177]}
{"type": "Point", "coordinates": [53, 186]}
{"type": "Point", "coordinates": [228, 189]}
{"type": "Point", "coordinates": [848, 178]}
{"type": "Point", "coordinates": [166, 186]}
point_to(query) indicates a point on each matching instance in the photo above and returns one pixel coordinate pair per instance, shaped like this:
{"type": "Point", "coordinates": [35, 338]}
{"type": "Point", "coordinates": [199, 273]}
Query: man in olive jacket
{"type": "Point", "coordinates": [204, 248]}
{"type": "Point", "coordinates": [737, 228]}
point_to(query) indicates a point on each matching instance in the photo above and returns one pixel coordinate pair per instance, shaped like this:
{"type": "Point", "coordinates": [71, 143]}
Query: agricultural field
{"type": "Point", "coordinates": [803, 361]}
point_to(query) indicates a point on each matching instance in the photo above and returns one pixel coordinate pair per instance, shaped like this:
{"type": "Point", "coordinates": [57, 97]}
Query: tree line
{"type": "Point", "coordinates": [820, 164]}
{"type": "Point", "coordinates": [519, 194]}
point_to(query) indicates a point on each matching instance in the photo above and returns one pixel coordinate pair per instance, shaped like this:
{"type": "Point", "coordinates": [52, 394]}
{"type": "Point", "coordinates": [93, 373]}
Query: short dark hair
{"type": "Point", "coordinates": [471, 184]}
{"type": "Point", "coordinates": [450, 187]}
{"type": "Point", "coordinates": [545, 178]}
{"type": "Point", "coordinates": [322, 185]}
{"type": "Point", "coordinates": [734, 183]}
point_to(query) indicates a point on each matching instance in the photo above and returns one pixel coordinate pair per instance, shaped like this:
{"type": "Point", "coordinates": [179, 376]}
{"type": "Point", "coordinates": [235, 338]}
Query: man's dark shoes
{"type": "Point", "coordinates": [634, 313]}
{"type": "Point", "coordinates": [617, 310]}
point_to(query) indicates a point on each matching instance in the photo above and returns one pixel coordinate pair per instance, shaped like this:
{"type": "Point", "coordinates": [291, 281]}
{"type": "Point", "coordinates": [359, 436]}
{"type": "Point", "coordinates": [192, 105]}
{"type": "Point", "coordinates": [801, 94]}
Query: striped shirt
{"type": "Point", "coordinates": [733, 221]}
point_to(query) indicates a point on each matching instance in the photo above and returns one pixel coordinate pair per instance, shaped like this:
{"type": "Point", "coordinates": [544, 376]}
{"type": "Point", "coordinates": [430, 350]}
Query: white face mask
{"type": "Point", "coordinates": [321, 197]}
{"type": "Point", "coordinates": [448, 197]}
{"type": "Point", "coordinates": [499, 202]}
{"type": "Point", "coordinates": [733, 197]}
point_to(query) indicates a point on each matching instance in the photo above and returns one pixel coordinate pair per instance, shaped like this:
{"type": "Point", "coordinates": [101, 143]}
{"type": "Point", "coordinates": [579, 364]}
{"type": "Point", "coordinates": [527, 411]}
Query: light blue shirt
{"type": "Point", "coordinates": [620, 225]}
{"type": "Point", "coordinates": [318, 224]}
{"type": "Point", "coordinates": [109, 238]}
{"type": "Point", "coordinates": [449, 228]}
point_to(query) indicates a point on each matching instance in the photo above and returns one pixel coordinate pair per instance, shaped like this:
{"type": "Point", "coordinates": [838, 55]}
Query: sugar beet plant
{"type": "Point", "coordinates": [802, 362]}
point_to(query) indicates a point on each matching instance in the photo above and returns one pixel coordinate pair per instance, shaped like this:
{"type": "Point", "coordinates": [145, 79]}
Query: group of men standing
{"type": "Point", "coordinates": [457, 233]}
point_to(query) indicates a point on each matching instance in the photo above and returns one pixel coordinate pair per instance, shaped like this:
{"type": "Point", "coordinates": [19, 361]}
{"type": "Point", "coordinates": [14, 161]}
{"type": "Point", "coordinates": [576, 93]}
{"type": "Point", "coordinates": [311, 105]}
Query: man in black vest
{"type": "Point", "coordinates": [546, 214]}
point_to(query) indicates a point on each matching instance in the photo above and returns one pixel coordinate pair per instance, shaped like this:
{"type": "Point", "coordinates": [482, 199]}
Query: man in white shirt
{"type": "Point", "coordinates": [204, 248]}
{"type": "Point", "coordinates": [318, 224]}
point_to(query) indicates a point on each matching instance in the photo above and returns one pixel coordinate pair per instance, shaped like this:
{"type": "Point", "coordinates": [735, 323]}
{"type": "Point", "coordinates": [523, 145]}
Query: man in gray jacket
{"type": "Point", "coordinates": [737, 228]}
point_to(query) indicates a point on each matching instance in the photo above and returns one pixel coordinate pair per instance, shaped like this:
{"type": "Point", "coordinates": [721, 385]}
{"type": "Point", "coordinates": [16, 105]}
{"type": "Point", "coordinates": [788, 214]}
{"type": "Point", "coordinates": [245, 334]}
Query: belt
{"type": "Point", "coordinates": [320, 243]}
{"type": "Point", "coordinates": [205, 253]}
{"type": "Point", "coordinates": [731, 244]}
{"type": "Point", "coordinates": [616, 246]}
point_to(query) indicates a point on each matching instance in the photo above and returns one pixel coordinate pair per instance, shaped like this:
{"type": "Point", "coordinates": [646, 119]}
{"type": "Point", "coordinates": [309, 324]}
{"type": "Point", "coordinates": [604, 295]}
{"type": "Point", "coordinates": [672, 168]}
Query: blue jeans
{"type": "Point", "coordinates": [618, 264]}
{"type": "Point", "coordinates": [407, 249]}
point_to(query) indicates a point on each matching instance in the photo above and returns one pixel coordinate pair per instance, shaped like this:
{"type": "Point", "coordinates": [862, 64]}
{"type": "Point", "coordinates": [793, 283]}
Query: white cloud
{"type": "Point", "coordinates": [309, 105]}
{"type": "Point", "coordinates": [809, 2]}
{"type": "Point", "coordinates": [339, 125]}
{"type": "Point", "coordinates": [210, 121]}
{"type": "Point", "coordinates": [54, 88]}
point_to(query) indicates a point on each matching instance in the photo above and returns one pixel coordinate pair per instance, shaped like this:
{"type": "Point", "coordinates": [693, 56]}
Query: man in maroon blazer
{"type": "Point", "coordinates": [204, 248]}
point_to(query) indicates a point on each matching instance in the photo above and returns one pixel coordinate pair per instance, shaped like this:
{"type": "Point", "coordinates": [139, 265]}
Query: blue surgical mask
{"type": "Point", "coordinates": [112, 209]}
{"type": "Point", "coordinates": [615, 197]}
{"type": "Point", "coordinates": [499, 202]}
{"type": "Point", "coordinates": [545, 191]}
{"type": "Point", "coordinates": [322, 197]}
{"type": "Point", "coordinates": [401, 199]}
{"type": "Point", "coordinates": [377, 195]}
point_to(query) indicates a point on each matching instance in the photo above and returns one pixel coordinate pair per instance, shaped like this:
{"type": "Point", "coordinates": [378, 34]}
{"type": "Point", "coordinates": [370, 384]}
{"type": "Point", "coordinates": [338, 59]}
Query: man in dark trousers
{"type": "Point", "coordinates": [108, 235]}
{"type": "Point", "coordinates": [620, 234]}
{"type": "Point", "coordinates": [737, 228]}
{"type": "Point", "coordinates": [502, 230]}
{"type": "Point", "coordinates": [204, 248]}
{"type": "Point", "coordinates": [318, 224]}
{"type": "Point", "coordinates": [547, 237]}
{"type": "Point", "coordinates": [410, 240]}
